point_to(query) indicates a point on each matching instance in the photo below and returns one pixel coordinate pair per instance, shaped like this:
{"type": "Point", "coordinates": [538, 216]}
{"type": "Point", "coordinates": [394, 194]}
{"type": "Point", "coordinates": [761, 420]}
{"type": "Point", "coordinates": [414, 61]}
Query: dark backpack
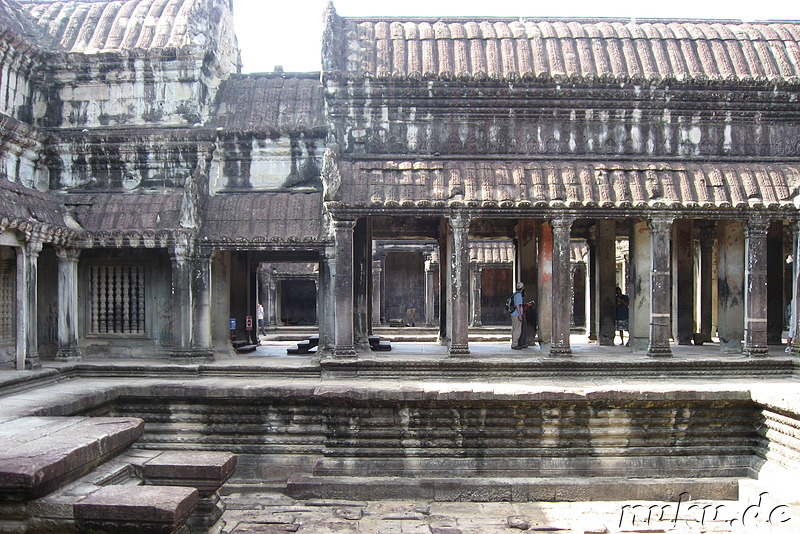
{"type": "Point", "coordinates": [510, 303]}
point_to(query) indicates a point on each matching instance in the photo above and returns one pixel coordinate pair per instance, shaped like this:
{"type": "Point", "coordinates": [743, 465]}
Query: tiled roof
{"type": "Point", "coordinates": [271, 103]}
{"type": "Point", "coordinates": [559, 184]}
{"type": "Point", "coordinates": [110, 25]}
{"type": "Point", "coordinates": [22, 206]}
{"type": "Point", "coordinates": [263, 218]}
{"type": "Point", "coordinates": [491, 252]}
{"type": "Point", "coordinates": [13, 20]}
{"type": "Point", "coordinates": [563, 48]}
{"type": "Point", "coordinates": [114, 212]}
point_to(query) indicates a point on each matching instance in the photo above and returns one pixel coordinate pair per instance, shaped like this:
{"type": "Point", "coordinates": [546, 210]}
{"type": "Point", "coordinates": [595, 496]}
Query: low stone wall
{"type": "Point", "coordinates": [351, 433]}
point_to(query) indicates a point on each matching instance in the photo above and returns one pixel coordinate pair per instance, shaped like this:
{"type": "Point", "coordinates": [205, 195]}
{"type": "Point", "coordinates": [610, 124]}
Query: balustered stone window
{"type": "Point", "coordinates": [7, 299]}
{"type": "Point", "coordinates": [117, 299]}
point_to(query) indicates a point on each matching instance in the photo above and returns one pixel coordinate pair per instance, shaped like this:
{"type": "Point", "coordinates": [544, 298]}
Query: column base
{"type": "Point", "coordinates": [69, 355]}
{"type": "Point", "coordinates": [659, 352]}
{"type": "Point", "coordinates": [191, 355]}
{"type": "Point", "coordinates": [756, 352]}
{"type": "Point", "coordinates": [345, 351]}
{"type": "Point", "coordinates": [458, 349]}
{"type": "Point", "coordinates": [560, 352]}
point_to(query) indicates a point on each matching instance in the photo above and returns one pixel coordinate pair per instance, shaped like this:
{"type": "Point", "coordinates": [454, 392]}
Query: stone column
{"type": "Point", "coordinates": [730, 276]}
{"type": "Point", "coordinates": [755, 283]}
{"type": "Point", "coordinates": [316, 302]}
{"type": "Point", "coordinates": [795, 316]}
{"type": "Point", "coordinates": [181, 302]}
{"type": "Point", "coordinates": [562, 287]}
{"type": "Point", "coordinates": [377, 286]}
{"type": "Point", "coordinates": [477, 271]}
{"type": "Point", "coordinates": [201, 289]}
{"type": "Point", "coordinates": [32, 250]}
{"type": "Point", "coordinates": [706, 282]}
{"type": "Point", "coordinates": [272, 301]}
{"type": "Point", "coordinates": [660, 231]}
{"type": "Point", "coordinates": [459, 284]}
{"type": "Point", "coordinates": [683, 281]}
{"type": "Point", "coordinates": [545, 286]}
{"type": "Point", "coordinates": [68, 304]}
{"type": "Point", "coordinates": [327, 278]}
{"type": "Point", "coordinates": [343, 289]}
{"type": "Point", "coordinates": [526, 270]}
{"type": "Point", "coordinates": [430, 293]}
{"type": "Point", "coordinates": [362, 282]}
{"type": "Point", "coordinates": [606, 280]}
{"type": "Point", "coordinates": [591, 274]}
{"type": "Point", "coordinates": [639, 289]}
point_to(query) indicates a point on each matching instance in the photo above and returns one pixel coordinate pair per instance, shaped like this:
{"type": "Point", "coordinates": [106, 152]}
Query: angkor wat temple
{"type": "Point", "coordinates": [144, 180]}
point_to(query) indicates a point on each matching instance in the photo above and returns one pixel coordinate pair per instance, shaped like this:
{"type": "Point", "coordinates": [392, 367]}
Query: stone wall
{"type": "Point", "coordinates": [157, 303]}
{"type": "Point", "coordinates": [124, 160]}
{"type": "Point", "coordinates": [555, 119]}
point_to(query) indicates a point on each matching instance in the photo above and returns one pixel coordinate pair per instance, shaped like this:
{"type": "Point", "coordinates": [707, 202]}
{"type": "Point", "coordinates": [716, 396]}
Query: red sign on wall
{"type": "Point", "coordinates": [248, 322]}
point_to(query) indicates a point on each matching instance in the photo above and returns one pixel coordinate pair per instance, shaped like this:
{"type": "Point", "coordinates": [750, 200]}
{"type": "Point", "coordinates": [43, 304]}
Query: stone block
{"type": "Point", "coordinates": [49, 452]}
{"type": "Point", "coordinates": [206, 471]}
{"type": "Point", "coordinates": [136, 509]}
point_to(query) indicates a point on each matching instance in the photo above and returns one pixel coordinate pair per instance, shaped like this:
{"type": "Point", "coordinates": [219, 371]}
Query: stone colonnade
{"type": "Point", "coordinates": [658, 308]}
{"type": "Point", "coordinates": [741, 271]}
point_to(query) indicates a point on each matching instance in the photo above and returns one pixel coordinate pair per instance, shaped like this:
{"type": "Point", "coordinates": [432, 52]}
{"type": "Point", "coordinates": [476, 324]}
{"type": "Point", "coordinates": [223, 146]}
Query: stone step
{"type": "Point", "coordinates": [41, 454]}
{"type": "Point", "coordinates": [558, 489]}
{"type": "Point", "coordinates": [135, 509]}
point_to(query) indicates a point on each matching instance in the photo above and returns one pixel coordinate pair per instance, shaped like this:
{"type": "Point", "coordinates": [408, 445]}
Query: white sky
{"type": "Point", "coordinates": [289, 32]}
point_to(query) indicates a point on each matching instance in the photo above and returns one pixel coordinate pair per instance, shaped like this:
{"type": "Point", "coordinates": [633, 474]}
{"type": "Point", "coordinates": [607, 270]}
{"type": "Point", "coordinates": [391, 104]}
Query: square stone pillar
{"type": "Point", "coordinates": [343, 289]}
{"type": "Point", "coordinates": [606, 280]}
{"type": "Point", "coordinates": [31, 286]}
{"type": "Point", "coordinates": [683, 297]}
{"type": "Point", "coordinates": [562, 287]}
{"type": "Point", "coordinates": [660, 324]}
{"type": "Point", "coordinates": [477, 273]}
{"type": "Point", "coordinates": [795, 315]}
{"type": "Point", "coordinates": [755, 283]}
{"type": "Point", "coordinates": [182, 302]}
{"type": "Point", "coordinates": [526, 269]}
{"type": "Point", "coordinates": [545, 286]}
{"type": "Point", "coordinates": [591, 275]}
{"type": "Point", "coordinates": [458, 288]}
{"type": "Point", "coordinates": [639, 290]}
{"type": "Point", "coordinates": [377, 286]}
{"type": "Point", "coordinates": [327, 278]}
{"type": "Point", "coordinates": [362, 283]}
{"type": "Point", "coordinates": [730, 276]}
{"type": "Point", "coordinates": [68, 304]}
{"type": "Point", "coordinates": [201, 313]}
{"type": "Point", "coordinates": [430, 289]}
{"type": "Point", "coordinates": [707, 245]}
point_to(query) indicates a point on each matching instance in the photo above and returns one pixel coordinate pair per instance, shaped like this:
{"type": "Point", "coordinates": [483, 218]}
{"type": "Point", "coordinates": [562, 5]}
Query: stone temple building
{"type": "Point", "coordinates": [145, 182]}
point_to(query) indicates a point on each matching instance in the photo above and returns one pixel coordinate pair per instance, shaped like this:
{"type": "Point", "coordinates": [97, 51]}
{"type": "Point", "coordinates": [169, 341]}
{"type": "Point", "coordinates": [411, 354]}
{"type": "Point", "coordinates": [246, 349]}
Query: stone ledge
{"type": "Point", "coordinates": [510, 489]}
{"type": "Point", "coordinates": [135, 509]}
{"type": "Point", "coordinates": [40, 454]}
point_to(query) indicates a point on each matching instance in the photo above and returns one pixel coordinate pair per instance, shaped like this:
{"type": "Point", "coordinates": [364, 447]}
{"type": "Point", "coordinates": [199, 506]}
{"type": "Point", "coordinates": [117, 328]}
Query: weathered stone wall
{"type": "Point", "coordinates": [277, 433]}
{"type": "Point", "coordinates": [532, 120]}
{"type": "Point", "coordinates": [8, 309]}
{"type": "Point", "coordinates": [127, 159]}
{"type": "Point", "coordinates": [158, 304]}
{"type": "Point", "coordinates": [22, 155]}
{"type": "Point", "coordinates": [18, 61]}
{"type": "Point", "coordinates": [249, 161]}
{"type": "Point", "coordinates": [125, 89]}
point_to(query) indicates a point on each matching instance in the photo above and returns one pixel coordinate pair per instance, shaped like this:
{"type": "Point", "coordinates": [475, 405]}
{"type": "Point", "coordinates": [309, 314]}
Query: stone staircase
{"type": "Point", "coordinates": [67, 474]}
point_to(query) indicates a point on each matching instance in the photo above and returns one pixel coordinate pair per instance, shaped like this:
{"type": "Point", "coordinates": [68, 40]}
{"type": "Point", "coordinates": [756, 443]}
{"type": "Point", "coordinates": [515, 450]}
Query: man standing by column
{"type": "Point", "coordinates": [518, 323]}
